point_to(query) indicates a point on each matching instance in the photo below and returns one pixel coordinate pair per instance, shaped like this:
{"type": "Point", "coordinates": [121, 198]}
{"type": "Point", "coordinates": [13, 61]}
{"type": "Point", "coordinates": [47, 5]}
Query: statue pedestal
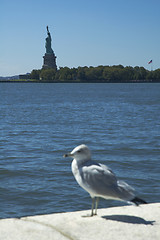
{"type": "Point", "coordinates": [49, 61]}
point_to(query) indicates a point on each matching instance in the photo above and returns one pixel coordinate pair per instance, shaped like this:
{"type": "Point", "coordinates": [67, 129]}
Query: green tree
{"type": "Point", "coordinates": [156, 75]}
{"type": "Point", "coordinates": [48, 74]}
{"type": "Point", "coordinates": [127, 74]}
{"type": "Point", "coordinates": [35, 74]}
{"type": "Point", "coordinates": [65, 74]}
{"type": "Point", "coordinates": [140, 73]}
{"type": "Point", "coordinates": [81, 74]}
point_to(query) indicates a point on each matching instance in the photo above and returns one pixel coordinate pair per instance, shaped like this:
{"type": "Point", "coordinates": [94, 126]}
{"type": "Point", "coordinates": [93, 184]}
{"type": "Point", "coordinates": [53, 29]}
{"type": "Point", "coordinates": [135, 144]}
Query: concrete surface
{"type": "Point", "coordinates": [125, 223]}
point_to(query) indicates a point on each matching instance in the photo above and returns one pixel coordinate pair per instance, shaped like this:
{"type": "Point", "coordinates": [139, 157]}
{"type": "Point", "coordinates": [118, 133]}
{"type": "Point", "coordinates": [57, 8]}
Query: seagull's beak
{"type": "Point", "coordinates": [68, 155]}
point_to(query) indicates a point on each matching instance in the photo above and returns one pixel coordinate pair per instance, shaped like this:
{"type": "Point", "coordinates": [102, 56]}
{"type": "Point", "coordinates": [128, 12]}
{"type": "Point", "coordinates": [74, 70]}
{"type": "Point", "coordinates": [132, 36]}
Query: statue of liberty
{"type": "Point", "coordinates": [48, 43]}
{"type": "Point", "coordinates": [49, 57]}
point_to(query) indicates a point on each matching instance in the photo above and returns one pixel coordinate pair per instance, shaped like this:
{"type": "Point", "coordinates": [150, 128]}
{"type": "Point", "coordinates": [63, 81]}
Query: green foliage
{"type": "Point", "coordinates": [47, 74]}
{"type": "Point", "coordinates": [35, 74]}
{"type": "Point", "coordinates": [116, 73]}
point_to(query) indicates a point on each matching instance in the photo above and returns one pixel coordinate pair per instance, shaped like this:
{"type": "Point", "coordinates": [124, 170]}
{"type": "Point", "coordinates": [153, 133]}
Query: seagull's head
{"type": "Point", "coordinates": [80, 153]}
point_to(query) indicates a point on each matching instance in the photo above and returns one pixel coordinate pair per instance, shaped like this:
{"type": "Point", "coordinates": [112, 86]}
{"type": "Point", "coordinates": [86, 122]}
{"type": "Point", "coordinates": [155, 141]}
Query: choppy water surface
{"type": "Point", "coordinates": [41, 122]}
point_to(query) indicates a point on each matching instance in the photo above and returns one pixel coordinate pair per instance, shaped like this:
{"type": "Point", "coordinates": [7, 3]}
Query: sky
{"type": "Point", "coordinates": [84, 33]}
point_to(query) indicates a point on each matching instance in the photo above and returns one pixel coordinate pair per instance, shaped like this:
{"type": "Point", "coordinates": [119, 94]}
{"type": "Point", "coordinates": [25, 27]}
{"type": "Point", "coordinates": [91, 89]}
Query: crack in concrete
{"type": "Point", "coordinates": [50, 226]}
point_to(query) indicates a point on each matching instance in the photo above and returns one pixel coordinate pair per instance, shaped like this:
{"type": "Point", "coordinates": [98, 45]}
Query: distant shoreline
{"type": "Point", "coordinates": [100, 74]}
{"type": "Point", "coordinates": [39, 81]}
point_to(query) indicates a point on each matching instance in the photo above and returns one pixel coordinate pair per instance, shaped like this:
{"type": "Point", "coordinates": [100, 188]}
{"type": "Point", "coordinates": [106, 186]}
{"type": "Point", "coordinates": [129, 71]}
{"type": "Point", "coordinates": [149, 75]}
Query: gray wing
{"type": "Point", "coordinates": [101, 181]}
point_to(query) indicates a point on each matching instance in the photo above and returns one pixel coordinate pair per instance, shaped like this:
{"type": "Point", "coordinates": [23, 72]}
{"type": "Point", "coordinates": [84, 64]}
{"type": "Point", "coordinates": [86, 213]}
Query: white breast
{"type": "Point", "coordinates": [76, 172]}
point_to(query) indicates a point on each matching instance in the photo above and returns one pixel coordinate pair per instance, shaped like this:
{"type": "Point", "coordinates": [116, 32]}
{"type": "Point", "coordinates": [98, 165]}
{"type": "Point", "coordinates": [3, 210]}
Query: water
{"type": "Point", "coordinates": [41, 122]}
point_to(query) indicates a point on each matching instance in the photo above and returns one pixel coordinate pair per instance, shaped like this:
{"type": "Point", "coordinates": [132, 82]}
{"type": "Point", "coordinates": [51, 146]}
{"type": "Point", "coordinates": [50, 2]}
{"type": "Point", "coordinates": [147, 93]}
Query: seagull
{"type": "Point", "coordinates": [99, 180]}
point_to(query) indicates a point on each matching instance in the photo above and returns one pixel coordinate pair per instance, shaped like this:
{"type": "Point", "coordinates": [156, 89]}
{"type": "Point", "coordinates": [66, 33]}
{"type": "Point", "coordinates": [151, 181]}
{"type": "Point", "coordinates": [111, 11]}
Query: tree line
{"type": "Point", "coordinates": [109, 74]}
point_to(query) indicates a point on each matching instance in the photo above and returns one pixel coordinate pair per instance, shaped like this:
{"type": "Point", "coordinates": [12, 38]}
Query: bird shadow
{"type": "Point", "coordinates": [128, 219]}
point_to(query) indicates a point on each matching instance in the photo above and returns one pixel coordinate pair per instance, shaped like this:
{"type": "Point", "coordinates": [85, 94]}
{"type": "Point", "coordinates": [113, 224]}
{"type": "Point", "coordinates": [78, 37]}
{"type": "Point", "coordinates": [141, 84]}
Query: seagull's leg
{"type": "Point", "coordinates": [93, 202]}
{"type": "Point", "coordinates": [97, 201]}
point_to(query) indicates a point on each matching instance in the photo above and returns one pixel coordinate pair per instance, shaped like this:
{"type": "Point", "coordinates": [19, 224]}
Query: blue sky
{"type": "Point", "coordinates": [84, 33]}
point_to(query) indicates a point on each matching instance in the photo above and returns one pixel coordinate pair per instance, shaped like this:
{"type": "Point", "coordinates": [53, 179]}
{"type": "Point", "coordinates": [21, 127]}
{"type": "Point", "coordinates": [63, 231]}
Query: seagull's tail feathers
{"type": "Point", "coordinates": [127, 192]}
{"type": "Point", "coordinates": [138, 201]}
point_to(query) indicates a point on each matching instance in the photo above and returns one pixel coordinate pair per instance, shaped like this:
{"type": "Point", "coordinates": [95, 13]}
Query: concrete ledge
{"type": "Point", "coordinates": [125, 223]}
